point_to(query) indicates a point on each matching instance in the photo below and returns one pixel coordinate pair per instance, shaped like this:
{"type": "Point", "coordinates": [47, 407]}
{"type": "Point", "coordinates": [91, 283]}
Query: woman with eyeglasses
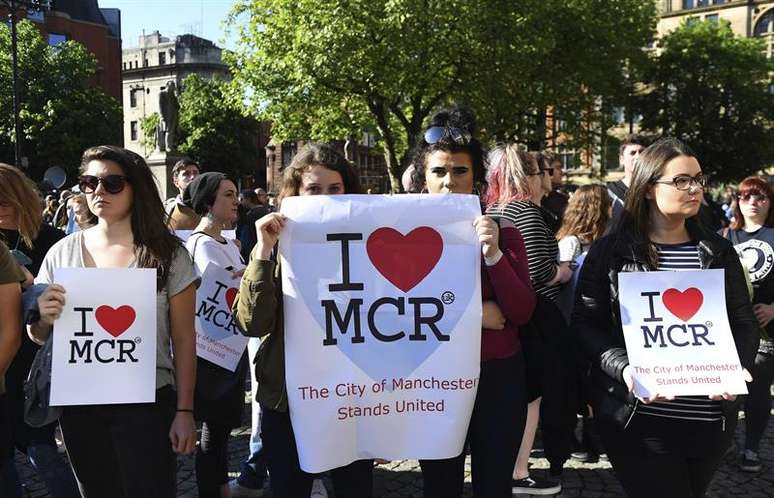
{"type": "Point", "coordinates": [450, 160]}
{"type": "Point", "coordinates": [752, 234]}
{"type": "Point", "coordinates": [29, 238]}
{"type": "Point", "coordinates": [665, 447]}
{"type": "Point", "coordinates": [516, 187]}
{"type": "Point", "coordinates": [133, 444]}
{"type": "Point", "coordinates": [315, 170]}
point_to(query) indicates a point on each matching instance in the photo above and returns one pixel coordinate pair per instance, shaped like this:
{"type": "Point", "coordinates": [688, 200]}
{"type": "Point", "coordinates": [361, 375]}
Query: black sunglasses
{"type": "Point", "coordinates": [550, 171]}
{"type": "Point", "coordinates": [435, 134]}
{"type": "Point", "coordinates": [113, 184]}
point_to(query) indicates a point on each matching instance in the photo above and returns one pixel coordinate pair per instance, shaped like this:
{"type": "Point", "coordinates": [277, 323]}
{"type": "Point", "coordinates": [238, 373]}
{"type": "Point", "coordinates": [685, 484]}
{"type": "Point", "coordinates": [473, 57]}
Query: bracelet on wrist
{"type": "Point", "coordinates": [185, 410]}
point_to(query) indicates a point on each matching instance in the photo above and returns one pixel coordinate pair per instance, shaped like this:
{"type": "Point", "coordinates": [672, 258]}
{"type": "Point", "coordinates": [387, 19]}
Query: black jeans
{"type": "Point", "coordinates": [285, 475]}
{"type": "Point", "coordinates": [494, 435]}
{"type": "Point", "coordinates": [663, 457]}
{"type": "Point", "coordinates": [757, 407]}
{"type": "Point", "coordinates": [212, 459]}
{"type": "Point", "coordinates": [123, 451]}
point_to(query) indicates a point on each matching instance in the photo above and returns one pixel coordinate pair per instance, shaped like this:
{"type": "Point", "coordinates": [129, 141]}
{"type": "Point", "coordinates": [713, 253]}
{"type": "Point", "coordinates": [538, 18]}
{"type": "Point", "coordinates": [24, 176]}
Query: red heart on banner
{"type": "Point", "coordinates": [405, 260]}
{"type": "Point", "coordinates": [230, 296]}
{"type": "Point", "coordinates": [683, 304]}
{"type": "Point", "coordinates": [115, 320]}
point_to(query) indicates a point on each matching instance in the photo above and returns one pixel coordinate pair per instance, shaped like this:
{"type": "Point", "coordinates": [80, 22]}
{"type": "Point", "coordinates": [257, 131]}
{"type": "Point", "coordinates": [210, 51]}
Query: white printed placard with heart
{"type": "Point", "coordinates": [382, 316]}
{"type": "Point", "coordinates": [217, 338]}
{"type": "Point", "coordinates": [104, 349]}
{"type": "Point", "coordinates": [677, 334]}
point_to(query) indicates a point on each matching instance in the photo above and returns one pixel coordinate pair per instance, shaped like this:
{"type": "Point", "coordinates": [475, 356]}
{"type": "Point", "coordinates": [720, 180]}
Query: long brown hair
{"type": "Point", "coordinates": [154, 244]}
{"type": "Point", "coordinates": [753, 185]}
{"type": "Point", "coordinates": [318, 155]}
{"type": "Point", "coordinates": [587, 214]}
{"type": "Point", "coordinates": [19, 191]}
{"type": "Point", "coordinates": [649, 167]}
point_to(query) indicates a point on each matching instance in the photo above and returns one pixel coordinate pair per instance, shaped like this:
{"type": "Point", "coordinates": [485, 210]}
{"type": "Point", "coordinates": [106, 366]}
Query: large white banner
{"type": "Point", "coordinates": [677, 333]}
{"type": "Point", "coordinates": [382, 302]}
{"type": "Point", "coordinates": [104, 349]}
{"type": "Point", "coordinates": [217, 337]}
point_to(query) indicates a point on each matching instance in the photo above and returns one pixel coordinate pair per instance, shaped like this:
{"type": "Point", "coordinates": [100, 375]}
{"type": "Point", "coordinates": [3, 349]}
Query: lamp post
{"type": "Point", "coordinates": [13, 7]}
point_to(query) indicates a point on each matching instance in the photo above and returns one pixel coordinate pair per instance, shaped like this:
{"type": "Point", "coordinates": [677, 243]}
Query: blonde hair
{"type": "Point", "coordinates": [21, 193]}
{"type": "Point", "coordinates": [509, 170]}
{"type": "Point", "coordinates": [587, 214]}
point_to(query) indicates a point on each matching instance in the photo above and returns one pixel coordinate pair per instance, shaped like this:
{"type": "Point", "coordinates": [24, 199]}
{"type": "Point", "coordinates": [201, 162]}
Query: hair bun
{"type": "Point", "coordinates": [455, 116]}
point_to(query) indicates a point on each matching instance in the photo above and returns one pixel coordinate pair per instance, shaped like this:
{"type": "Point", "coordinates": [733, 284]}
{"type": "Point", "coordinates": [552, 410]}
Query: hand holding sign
{"type": "Point", "coordinates": [51, 303]}
{"type": "Point", "coordinates": [488, 235]}
{"type": "Point", "coordinates": [268, 229]}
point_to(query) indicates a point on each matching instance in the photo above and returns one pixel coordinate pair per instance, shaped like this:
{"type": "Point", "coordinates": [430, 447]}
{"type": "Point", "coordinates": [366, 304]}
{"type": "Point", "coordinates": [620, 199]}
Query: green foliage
{"type": "Point", "coordinates": [215, 128]}
{"type": "Point", "coordinates": [710, 88]}
{"type": "Point", "coordinates": [150, 125]}
{"type": "Point", "coordinates": [62, 112]}
{"type": "Point", "coordinates": [326, 70]}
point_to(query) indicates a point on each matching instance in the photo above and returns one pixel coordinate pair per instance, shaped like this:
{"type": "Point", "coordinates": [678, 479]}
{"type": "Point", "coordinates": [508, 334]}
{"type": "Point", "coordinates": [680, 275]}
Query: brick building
{"type": "Point", "coordinates": [99, 30]}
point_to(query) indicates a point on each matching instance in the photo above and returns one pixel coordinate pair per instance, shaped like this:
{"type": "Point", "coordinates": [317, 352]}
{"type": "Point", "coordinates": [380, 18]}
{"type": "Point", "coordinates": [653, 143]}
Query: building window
{"type": "Point", "coordinates": [133, 97]}
{"type": "Point", "coordinates": [712, 18]}
{"type": "Point", "coordinates": [133, 131]}
{"type": "Point", "coordinates": [124, 66]}
{"type": "Point", "coordinates": [765, 24]}
{"type": "Point", "coordinates": [692, 20]}
{"type": "Point", "coordinates": [162, 58]}
{"type": "Point", "coordinates": [145, 63]}
{"type": "Point", "coordinates": [55, 39]}
{"type": "Point", "coordinates": [288, 151]}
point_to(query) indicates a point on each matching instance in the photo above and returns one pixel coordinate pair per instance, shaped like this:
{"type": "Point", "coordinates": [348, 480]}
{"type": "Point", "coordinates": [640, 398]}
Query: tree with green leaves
{"type": "Point", "coordinates": [711, 88]}
{"type": "Point", "coordinates": [62, 113]}
{"type": "Point", "coordinates": [216, 129]}
{"type": "Point", "coordinates": [328, 70]}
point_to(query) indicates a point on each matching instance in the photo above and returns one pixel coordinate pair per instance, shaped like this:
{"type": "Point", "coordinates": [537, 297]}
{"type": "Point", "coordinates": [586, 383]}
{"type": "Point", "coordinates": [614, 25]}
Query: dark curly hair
{"type": "Point", "coordinates": [452, 117]}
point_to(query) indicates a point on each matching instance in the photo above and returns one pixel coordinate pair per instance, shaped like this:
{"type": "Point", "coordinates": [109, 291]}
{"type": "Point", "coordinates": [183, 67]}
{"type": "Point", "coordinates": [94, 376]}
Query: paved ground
{"type": "Point", "coordinates": [402, 479]}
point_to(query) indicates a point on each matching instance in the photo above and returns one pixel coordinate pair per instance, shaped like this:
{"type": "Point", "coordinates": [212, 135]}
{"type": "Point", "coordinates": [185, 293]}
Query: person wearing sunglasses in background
{"type": "Point", "coordinates": [752, 234]}
{"type": "Point", "coordinates": [552, 219]}
{"type": "Point", "coordinates": [669, 448]}
{"type": "Point", "coordinates": [29, 238]}
{"type": "Point", "coordinates": [10, 339]}
{"type": "Point", "coordinates": [128, 450]}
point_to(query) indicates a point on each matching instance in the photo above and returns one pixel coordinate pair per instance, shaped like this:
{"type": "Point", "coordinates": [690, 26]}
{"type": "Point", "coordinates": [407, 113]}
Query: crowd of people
{"type": "Point", "coordinates": [553, 356]}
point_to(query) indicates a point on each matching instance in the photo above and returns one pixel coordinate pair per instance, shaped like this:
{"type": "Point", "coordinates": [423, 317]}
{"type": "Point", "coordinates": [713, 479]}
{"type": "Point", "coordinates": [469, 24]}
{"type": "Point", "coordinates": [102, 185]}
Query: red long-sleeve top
{"type": "Point", "coordinates": [508, 283]}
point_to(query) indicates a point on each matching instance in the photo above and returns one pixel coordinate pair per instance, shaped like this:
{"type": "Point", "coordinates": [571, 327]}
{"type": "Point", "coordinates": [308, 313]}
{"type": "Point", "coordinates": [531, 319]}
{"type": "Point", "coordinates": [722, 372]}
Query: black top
{"type": "Point", "coordinates": [47, 237]}
{"type": "Point", "coordinates": [756, 252]}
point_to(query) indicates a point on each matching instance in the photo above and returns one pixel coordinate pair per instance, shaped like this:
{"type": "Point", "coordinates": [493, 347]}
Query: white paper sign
{"type": "Point", "coordinates": [217, 338]}
{"type": "Point", "coordinates": [382, 310]}
{"type": "Point", "coordinates": [104, 349]}
{"type": "Point", "coordinates": [677, 333]}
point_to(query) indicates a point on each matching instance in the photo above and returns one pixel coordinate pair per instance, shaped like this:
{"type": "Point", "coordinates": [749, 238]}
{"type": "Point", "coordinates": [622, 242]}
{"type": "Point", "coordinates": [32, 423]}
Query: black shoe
{"type": "Point", "coordinates": [750, 462]}
{"type": "Point", "coordinates": [584, 456]}
{"type": "Point", "coordinates": [530, 486]}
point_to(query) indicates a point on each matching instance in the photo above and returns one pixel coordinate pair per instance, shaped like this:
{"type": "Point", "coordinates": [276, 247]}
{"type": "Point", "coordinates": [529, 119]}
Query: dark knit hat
{"type": "Point", "coordinates": [200, 194]}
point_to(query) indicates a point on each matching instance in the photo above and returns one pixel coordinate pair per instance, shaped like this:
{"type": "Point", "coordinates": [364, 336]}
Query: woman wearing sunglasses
{"type": "Point", "coordinates": [134, 444]}
{"type": "Point", "coordinates": [452, 162]}
{"type": "Point", "coordinates": [315, 170]}
{"type": "Point", "coordinates": [658, 446]}
{"type": "Point", "coordinates": [752, 234]}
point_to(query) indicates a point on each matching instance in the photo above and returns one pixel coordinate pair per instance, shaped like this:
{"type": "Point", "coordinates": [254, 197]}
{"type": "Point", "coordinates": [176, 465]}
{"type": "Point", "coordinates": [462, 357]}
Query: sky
{"type": "Point", "coordinates": [171, 17]}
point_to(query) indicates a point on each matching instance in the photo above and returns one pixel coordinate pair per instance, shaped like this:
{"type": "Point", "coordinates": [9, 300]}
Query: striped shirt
{"type": "Point", "coordinates": [541, 244]}
{"type": "Point", "coordinates": [680, 257]}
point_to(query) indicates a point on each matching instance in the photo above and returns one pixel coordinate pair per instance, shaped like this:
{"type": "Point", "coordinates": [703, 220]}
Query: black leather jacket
{"type": "Point", "coordinates": [596, 321]}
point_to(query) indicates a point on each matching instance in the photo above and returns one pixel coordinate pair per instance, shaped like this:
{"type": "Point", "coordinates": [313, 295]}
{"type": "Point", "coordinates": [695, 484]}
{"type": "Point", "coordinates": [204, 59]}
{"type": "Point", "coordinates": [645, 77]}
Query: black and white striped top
{"type": "Point", "coordinates": [539, 240]}
{"type": "Point", "coordinates": [676, 258]}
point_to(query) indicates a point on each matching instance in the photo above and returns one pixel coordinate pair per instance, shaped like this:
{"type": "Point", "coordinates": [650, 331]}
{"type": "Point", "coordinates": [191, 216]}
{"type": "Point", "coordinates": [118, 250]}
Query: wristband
{"type": "Point", "coordinates": [184, 410]}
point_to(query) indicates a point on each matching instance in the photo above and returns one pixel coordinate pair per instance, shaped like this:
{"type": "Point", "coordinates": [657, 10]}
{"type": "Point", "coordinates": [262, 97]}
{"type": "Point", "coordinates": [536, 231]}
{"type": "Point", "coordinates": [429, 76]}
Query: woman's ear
{"type": "Point", "coordinates": [649, 194]}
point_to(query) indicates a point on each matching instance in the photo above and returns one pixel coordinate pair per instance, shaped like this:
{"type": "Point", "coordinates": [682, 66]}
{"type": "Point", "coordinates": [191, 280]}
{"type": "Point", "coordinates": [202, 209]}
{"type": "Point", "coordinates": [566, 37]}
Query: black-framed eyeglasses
{"type": "Point", "coordinates": [113, 184]}
{"type": "Point", "coordinates": [753, 197]}
{"type": "Point", "coordinates": [435, 134]}
{"type": "Point", "coordinates": [685, 182]}
{"type": "Point", "coordinates": [550, 171]}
